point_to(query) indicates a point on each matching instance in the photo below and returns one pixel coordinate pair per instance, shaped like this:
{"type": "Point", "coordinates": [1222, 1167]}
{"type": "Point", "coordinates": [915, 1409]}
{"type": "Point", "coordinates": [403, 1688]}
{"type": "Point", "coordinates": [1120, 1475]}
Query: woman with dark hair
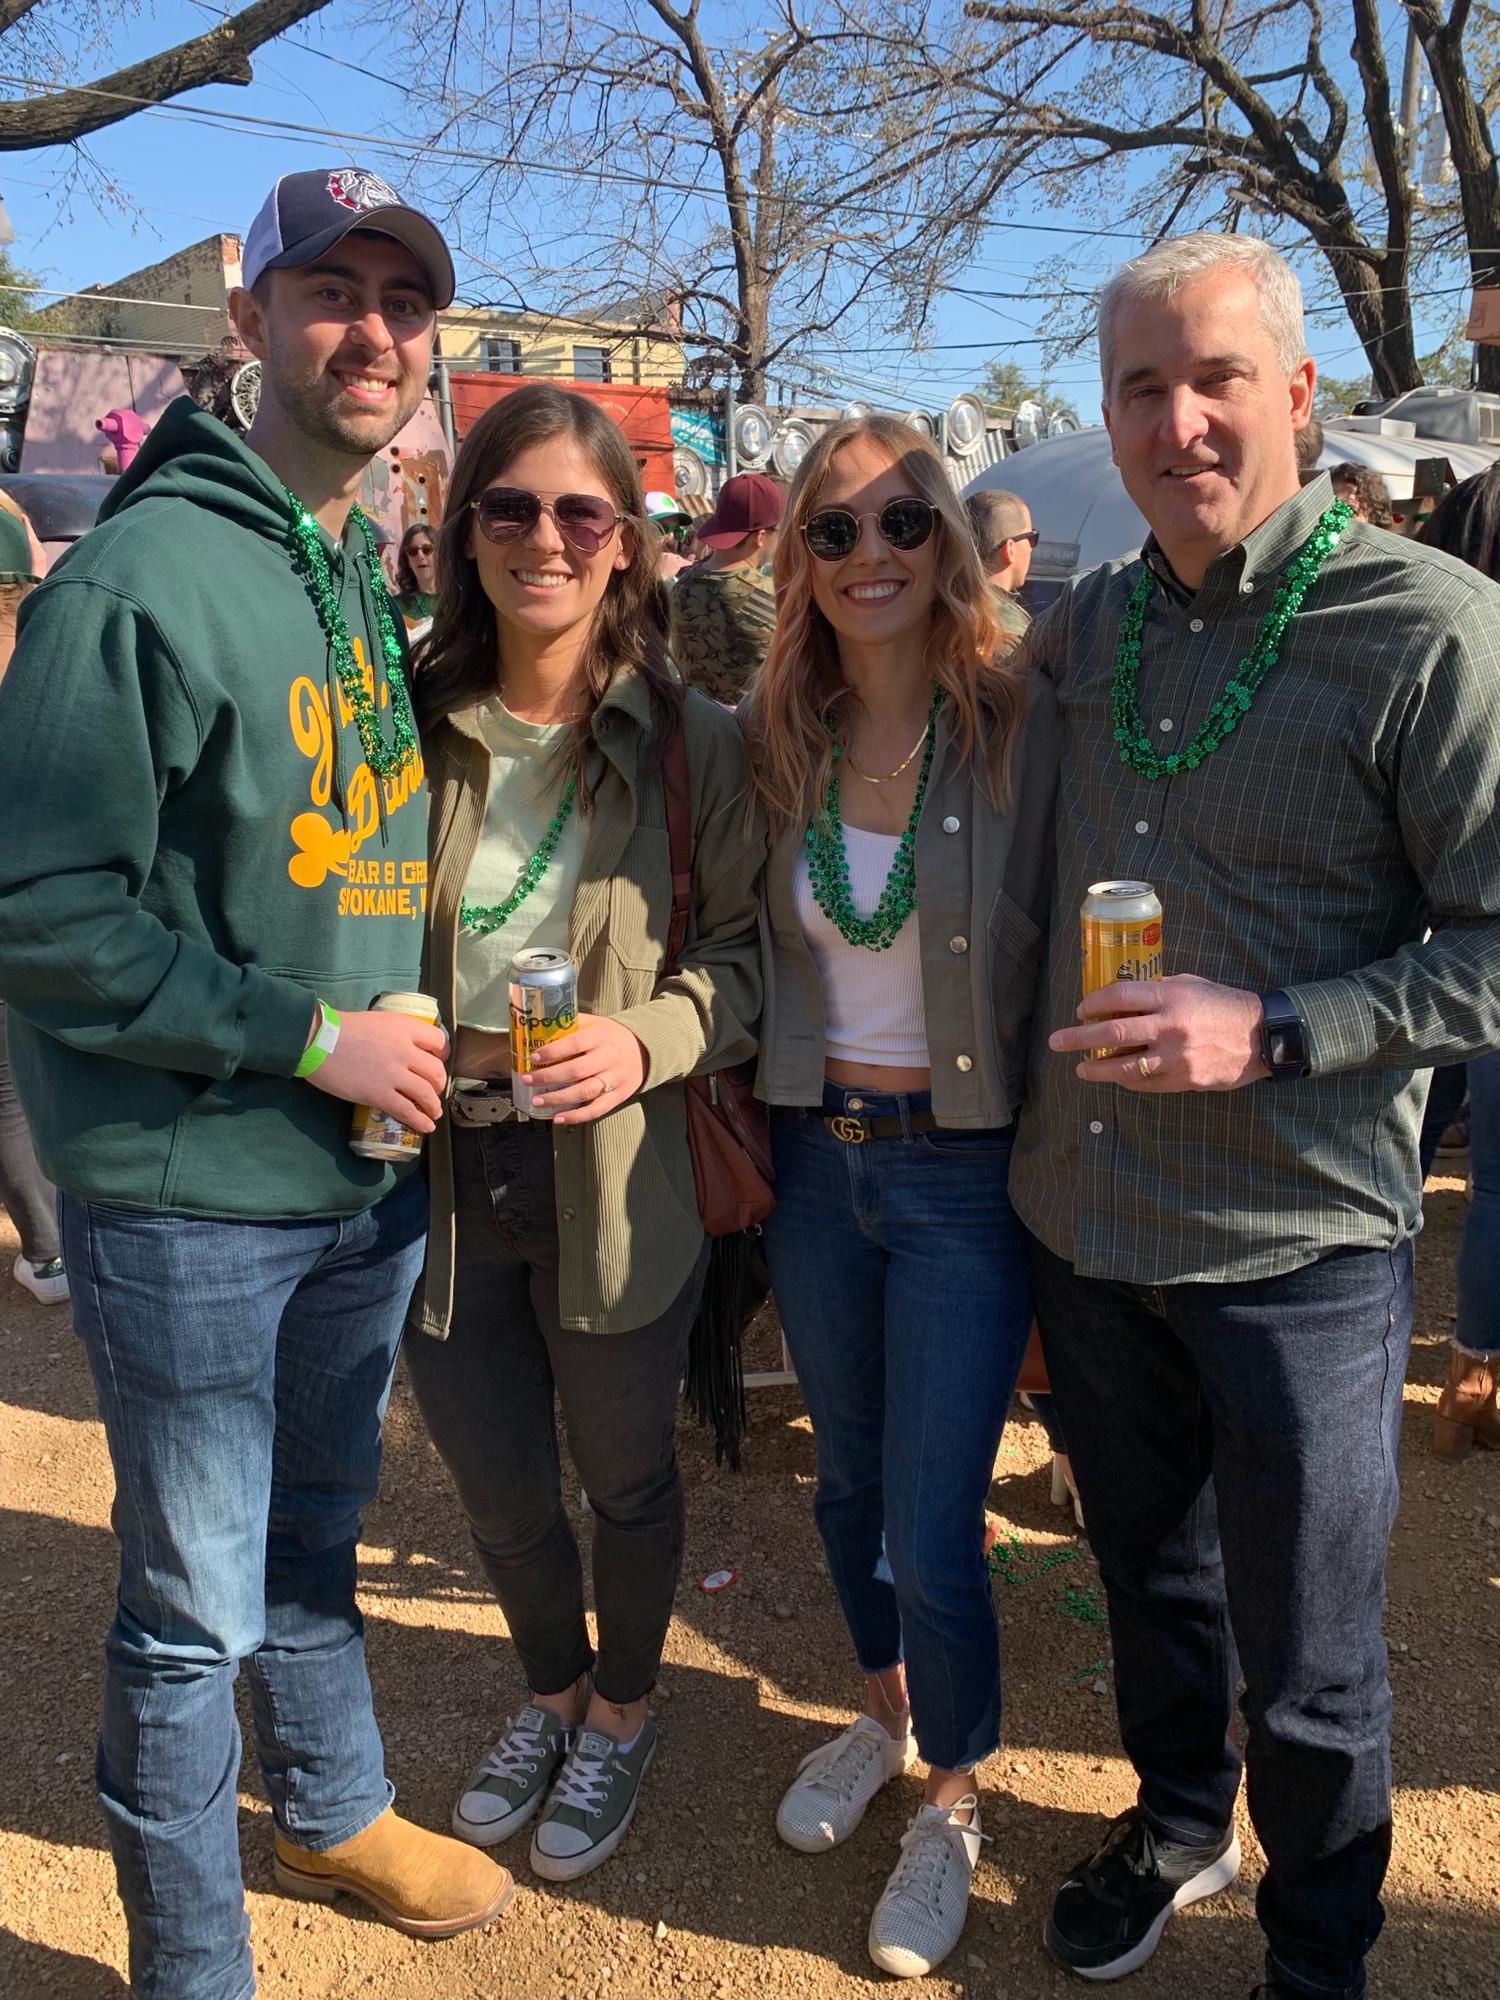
{"type": "Point", "coordinates": [566, 1256]}
{"type": "Point", "coordinates": [1363, 489]}
{"type": "Point", "coordinates": [416, 573]}
{"type": "Point", "coordinates": [909, 775]}
{"type": "Point", "coordinates": [1466, 523]}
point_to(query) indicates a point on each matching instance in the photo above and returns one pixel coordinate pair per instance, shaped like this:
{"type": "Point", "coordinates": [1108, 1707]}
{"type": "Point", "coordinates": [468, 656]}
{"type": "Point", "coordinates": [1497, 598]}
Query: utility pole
{"type": "Point", "coordinates": [1411, 101]}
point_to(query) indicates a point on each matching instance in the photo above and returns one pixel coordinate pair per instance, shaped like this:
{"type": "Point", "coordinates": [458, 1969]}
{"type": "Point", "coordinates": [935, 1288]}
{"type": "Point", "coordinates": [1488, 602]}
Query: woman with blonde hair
{"type": "Point", "coordinates": [908, 773]}
{"type": "Point", "coordinates": [565, 1255]}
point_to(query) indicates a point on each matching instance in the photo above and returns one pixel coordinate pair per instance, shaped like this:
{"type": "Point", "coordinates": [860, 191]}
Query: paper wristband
{"type": "Point", "coordinates": [323, 1043]}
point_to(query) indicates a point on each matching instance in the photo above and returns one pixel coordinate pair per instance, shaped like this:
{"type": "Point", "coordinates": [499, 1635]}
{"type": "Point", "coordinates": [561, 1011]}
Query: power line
{"type": "Point", "coordinates": [256, 125]}
{"type": "Point", "coordinates": [110, 298]}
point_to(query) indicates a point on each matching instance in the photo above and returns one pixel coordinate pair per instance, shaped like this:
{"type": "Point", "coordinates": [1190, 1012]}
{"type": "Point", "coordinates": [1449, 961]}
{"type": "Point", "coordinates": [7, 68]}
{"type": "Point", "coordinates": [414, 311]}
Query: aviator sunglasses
{"type": "Point", "coordinates": [833, 532]}
{"type": "Point", "coordinates": [507, 513]}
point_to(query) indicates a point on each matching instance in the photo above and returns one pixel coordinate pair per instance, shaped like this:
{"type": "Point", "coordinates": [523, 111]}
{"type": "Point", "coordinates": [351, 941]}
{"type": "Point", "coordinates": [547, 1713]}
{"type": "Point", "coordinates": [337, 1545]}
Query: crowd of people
{"type": "Point", "coordinates": [834, 823]}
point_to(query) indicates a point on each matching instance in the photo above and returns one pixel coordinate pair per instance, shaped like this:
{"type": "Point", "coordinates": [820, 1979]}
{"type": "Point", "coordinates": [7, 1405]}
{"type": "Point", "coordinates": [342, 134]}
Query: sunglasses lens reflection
{"type": "Point", "coordinates": [585, 521]}
{"type": "Point", "coordinates": [832, 534]}
{"type": "Point", "coordinates": [906, 524]}
{"type": "Point", "coordinates": [506, 512]}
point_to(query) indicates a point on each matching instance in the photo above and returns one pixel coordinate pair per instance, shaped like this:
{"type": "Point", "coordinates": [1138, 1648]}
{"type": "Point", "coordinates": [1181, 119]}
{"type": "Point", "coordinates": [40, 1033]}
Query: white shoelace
{"type": "Point", "coordinates": [583, 1783]}
{"type": "Point", "coordinates": [517, 1752]}
{"type": "Point", "coordinates": [926, 1851]}
{"type": "Point", "coordinates": [838, 1766]}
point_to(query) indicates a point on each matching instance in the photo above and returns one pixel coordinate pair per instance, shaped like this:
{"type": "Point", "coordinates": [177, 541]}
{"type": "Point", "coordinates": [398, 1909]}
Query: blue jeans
{"type": "Point", "coordinates": [900, 1275]}
{"type": "Point", "coordinates": [1445, 1098]}
{"type": "Point", "coordinates": [1478, 1328]}
{"type": "Point", "coordinates": [242, 1371]}
{"type": "Point", "coordinates": [1235, 1451]}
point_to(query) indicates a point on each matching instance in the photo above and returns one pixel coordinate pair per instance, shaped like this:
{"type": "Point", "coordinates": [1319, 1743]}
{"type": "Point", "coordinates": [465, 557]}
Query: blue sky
{"type": "Point", "coordinates": [178, 180]}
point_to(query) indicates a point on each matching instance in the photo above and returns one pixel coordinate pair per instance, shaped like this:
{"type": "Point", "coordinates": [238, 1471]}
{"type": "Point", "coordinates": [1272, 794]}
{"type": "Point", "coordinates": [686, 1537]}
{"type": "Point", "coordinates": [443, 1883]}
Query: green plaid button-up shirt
{"type": "Point", "coordinates": [1352, 809]}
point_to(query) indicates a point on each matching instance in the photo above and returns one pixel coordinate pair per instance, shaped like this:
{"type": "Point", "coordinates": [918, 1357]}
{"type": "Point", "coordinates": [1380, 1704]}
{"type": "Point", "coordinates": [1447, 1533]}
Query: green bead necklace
{"type": "Point", "coordinates": [482, 918]}
{"type": "Point", "coordinates": [828, 864]}
{"type": "Point", "coordinates": [1241, 688]}
{"type": "Point", "coordinates": [384, 759]}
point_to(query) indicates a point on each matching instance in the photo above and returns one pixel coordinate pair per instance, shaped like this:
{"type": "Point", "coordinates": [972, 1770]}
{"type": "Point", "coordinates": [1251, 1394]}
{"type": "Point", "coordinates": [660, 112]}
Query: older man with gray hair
{"type": "Point", "coordinates": [1289, 722]}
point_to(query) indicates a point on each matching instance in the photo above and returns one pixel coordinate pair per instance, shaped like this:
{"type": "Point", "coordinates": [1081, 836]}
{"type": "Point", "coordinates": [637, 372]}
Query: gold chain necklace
{"type": "Point", "coordinates": [870, 777]}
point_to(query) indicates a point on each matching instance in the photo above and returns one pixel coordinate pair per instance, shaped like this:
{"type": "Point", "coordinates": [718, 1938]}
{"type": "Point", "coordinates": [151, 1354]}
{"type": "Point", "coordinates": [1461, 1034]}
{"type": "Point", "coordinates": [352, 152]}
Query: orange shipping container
{"type": "Point", "coordinates": [644, 415]}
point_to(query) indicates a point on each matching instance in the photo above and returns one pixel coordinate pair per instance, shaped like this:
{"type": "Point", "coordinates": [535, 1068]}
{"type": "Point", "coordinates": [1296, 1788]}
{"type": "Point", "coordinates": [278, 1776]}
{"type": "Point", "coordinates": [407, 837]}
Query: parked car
{"type": "Point", "coordinates": [60, 506]}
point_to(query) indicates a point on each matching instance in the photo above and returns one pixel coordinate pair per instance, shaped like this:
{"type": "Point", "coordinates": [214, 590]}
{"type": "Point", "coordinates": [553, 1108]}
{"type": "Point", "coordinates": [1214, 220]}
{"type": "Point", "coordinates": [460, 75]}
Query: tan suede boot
{"type": "Point", "coordinates": [422, 1883]}
{"type": "Point", "coordinates": [1466, 1412]}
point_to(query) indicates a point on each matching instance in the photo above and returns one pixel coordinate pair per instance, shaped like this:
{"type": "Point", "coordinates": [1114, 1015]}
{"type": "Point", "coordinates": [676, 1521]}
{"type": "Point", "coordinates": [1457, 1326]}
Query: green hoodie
{"type": "Point", "coordinates": [189, 853]}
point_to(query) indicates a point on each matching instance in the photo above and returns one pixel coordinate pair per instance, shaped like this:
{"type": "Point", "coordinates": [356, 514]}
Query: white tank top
{"type": "Point", "coordinates": [872, 1000]}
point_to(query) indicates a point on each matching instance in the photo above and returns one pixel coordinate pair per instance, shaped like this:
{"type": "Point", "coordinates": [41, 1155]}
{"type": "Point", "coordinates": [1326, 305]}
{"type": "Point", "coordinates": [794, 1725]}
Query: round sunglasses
{"type": "Point", "coordinates": [508, 513]}
{"type": "Point", "coordinates": [833, 532]}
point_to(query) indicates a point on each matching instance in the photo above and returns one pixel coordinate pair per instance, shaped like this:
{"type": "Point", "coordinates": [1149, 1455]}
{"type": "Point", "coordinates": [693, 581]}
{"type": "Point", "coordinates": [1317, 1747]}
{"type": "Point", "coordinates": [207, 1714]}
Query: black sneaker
{"type": "Point", "coordinates": [1109, 1915]}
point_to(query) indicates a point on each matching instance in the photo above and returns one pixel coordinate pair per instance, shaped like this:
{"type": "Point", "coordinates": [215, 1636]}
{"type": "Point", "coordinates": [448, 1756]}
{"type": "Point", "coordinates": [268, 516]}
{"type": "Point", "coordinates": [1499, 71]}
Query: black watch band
{"type": "Point", "coordinates": [1283, 1038]}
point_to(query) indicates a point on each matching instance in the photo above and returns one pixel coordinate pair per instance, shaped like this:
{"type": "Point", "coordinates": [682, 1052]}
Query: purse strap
{"type": "Point", "coordinates": [676, 785]}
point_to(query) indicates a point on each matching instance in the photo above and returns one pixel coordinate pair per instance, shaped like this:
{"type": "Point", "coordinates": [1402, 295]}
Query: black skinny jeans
{"type": "Point", "coordinates": [488, 1395]}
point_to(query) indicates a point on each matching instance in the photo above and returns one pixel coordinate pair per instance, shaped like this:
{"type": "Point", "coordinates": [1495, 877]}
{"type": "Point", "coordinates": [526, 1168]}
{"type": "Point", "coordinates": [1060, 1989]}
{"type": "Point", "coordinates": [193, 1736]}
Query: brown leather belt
{"type": "Point", "coordinates": [854, 1130]}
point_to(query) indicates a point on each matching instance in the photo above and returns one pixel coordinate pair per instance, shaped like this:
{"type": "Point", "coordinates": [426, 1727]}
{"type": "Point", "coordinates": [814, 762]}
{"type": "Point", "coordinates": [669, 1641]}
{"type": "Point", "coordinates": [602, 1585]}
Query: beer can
{"type": "Point", "coordinates": [1120, 928]}
{"type": "Point", "coordinates": [374, 1135]}
{"type": "Point", "coordinates": [543, 1005]}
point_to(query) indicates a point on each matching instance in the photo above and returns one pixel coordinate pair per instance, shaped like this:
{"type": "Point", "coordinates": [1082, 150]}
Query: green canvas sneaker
{"type": "Point", "coordinates": [506, 1787]}
{"type": "Point", "coordinates": [592, 1803]}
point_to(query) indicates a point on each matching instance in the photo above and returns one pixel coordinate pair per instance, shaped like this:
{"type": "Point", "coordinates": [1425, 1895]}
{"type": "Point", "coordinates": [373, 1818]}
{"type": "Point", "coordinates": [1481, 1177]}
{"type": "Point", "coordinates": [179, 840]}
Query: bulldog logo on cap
{"type": "Point", "coordinates": [354, 187]}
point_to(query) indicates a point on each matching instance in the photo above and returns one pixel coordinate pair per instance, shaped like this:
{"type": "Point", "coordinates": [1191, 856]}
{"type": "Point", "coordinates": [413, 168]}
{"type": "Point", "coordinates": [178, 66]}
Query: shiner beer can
{"type": "Point", "coordinates": [374, 1135]}
{"type": "Point", "coordinates": [543, 1005]}
{"type": "Point", "coordinates": [1120, 931]}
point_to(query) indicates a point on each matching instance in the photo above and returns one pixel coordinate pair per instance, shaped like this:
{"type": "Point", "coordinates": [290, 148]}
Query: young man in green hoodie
{"type": "Point", "coordinates": [212, 860]}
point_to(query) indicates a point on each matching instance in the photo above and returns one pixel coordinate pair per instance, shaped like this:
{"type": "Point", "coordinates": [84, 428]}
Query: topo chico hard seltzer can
{"type": "Point", "coordinates": [1120, 931]}
{"type": "Point", "coordinates": [374, 1135]}
{"type": "Point", "coordinates": [543, 1005]}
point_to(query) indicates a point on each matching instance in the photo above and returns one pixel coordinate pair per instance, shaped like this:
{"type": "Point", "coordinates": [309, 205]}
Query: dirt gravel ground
{"type": "Point", "coordinates": [703, 1902]}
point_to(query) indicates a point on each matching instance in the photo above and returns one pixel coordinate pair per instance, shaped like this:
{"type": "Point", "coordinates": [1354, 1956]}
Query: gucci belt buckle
{"type": "Point", "coordinates": [851, 1130]}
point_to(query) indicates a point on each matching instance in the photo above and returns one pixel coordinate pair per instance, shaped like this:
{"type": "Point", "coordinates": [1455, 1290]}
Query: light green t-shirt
{"type": "Point", "coordinates": [528, 770]}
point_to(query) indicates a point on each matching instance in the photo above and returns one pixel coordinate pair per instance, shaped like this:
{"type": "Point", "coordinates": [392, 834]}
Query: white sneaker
{"type": "Point", "coordinates": [47, 1283]}
{"type": "Point", "coordinates": [920, 1915]}
{"type": "Point", "coordinates": [826, 1800]}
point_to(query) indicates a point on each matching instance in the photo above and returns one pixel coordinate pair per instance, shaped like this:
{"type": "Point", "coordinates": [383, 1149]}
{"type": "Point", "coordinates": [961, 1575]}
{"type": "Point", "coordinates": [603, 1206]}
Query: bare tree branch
{"type": "Point", "coordinates": [220, 55]}
{"type": "Point", "coordinates": [782, 190]}
{"type": "Point", "coordinates": [1265, 133]}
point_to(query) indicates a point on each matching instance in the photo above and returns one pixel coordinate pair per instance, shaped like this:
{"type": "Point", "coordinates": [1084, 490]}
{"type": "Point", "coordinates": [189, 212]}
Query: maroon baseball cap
{"type": "Point", "coordinates": [747, 502]}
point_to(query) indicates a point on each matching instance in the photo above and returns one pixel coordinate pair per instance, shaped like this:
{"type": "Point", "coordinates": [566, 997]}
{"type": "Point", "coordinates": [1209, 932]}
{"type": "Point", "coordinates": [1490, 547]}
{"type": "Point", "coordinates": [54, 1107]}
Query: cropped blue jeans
{"type": "Point", "coordinates": [900, 1274]}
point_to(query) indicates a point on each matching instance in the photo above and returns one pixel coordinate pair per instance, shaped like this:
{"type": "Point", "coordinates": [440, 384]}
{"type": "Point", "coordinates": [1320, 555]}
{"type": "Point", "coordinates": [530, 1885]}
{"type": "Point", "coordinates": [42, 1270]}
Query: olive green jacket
{"type": "Point", "coordinates": [984, 879]}
{"type": "Point", "coordinates": [627, 1212]}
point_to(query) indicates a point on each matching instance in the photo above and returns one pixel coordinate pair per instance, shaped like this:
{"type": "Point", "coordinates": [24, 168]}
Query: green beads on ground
{"type": "Point", "coordinates": [1240, 691]}
{"type": "Point", "coordinates": [482, 918]}
{"type": "Point", "coordinates": [828, 864]}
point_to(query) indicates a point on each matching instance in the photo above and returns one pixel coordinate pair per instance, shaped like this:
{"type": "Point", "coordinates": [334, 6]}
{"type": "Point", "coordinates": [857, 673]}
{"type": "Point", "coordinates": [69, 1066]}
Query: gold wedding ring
{"type": "Point", "coordinates": [1144, 1067]}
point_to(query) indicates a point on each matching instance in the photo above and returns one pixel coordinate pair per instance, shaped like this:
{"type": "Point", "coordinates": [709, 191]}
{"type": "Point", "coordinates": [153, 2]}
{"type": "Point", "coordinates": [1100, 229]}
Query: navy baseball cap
{"type": "Point", "coordinates": [305, 214]}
